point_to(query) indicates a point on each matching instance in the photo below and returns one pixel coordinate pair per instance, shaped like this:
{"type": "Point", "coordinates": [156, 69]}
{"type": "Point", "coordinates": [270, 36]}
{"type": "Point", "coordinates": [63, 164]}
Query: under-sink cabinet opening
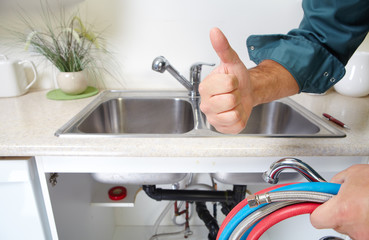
{"type": "Point", "coordinates": [83, 210]}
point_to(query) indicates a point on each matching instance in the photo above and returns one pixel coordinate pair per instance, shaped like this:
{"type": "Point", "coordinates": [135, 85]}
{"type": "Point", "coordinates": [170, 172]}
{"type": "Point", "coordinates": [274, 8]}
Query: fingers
{"type": "Point", "coordinates": [355, 170]}
{"type": "Point", "coordinates": [325, 216]}
{"type": "Point", "coordinates": [219, 94]}
{"type": "Point", "coordinates": [348, 211]}
{"type": "Point", "coordinates": [229, 122]}
{"type": "Point", "coordinates": [221, 102]}
{"type": "Point", "coordinates": [225, 92]}
{"type": "Point", "coordinates": [222, 47]}
{"type": "Point", "coordinates": [216, 84]}
{"type": "Point", "coordinates": [329, 214]}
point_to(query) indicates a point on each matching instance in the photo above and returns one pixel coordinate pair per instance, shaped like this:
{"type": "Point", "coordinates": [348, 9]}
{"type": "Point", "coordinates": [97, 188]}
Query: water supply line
{"type": "Point", "coordinates": [280, 215]}
{"type": "Point", "coordinates": [277, 203]}
{"type": "Point", "coordinates": [254, 217]}
{"type": "Point", "coordinates": [242, 213]}
{"type": "Point", "coordinates": [281, 196]}
{"type": "Point", "coordinates": [279, 199]}
{"type": "Point", "coordinates": [241, 205]}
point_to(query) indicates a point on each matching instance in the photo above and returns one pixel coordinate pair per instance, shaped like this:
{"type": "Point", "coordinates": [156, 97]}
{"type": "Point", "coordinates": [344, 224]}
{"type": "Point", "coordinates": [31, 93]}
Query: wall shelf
{"type": "Point", "coordinates": [101, 198]}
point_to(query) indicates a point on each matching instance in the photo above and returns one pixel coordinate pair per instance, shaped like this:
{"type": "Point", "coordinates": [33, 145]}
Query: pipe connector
{"type": "Point", "coordinates": [256, 200]}
{"type": "Point", "coordinates": [280, 196]}
{"type": "Point", "coordinates": [272, 175]}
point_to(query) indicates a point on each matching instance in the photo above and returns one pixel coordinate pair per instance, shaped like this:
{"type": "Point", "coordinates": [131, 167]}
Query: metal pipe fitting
{"type": "Point", "coordinates": [272, 175]}
{"type": "Point", "coordinates": [280, 196]}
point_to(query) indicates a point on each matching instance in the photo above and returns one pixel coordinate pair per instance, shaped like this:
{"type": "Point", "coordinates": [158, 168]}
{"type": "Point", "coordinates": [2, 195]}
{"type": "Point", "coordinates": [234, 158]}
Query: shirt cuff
{"type": "Point", "coordinates": [312, 66]}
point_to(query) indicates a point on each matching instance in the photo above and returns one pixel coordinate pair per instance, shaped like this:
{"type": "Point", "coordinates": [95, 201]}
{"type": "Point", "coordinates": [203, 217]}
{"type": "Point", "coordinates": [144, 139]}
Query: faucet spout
{"type": "Point", "coordinates": [160, 64]}
{"type": "Point", "coordinates": [272, 175]}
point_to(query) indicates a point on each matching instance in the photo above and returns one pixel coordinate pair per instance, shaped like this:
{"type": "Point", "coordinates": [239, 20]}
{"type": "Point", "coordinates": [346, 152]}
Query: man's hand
{"type": "Point", "coordinates": [230, 91]}
{"type": "Point", "coordinates": [225, 93]}
{"type": "Point", "coordinates": [348, 211]}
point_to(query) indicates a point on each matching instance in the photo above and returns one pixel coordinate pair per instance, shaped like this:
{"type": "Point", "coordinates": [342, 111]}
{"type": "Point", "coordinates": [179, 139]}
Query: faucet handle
{"type": "Point", "coordinates": [195, 71]}
{"type": "Point", "coordinates": [196, 67]}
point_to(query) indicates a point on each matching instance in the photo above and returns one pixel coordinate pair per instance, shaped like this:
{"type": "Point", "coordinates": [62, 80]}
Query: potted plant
{"type": "Point", "coordinates": [73, 47]}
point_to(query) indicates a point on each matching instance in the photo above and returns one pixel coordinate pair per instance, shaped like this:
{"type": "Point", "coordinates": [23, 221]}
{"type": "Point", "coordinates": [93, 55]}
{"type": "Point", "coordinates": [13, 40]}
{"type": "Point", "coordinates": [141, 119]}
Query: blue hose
{"type": "Point", "coordinates": [324, 187]}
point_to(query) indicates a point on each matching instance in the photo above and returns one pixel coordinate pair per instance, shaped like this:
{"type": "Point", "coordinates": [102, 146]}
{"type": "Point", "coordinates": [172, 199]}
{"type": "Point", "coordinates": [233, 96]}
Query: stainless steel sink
{"type": "Point", "coordinates": [278, 118]}
{"type": "Point", "coordinates": [138, 116]}
{"type": "Point", "coordinates": [139, 178]}
{"type": "Point", "coordinates": [175, 114]}
{"type": "Point", "coordinates": [253, 178]}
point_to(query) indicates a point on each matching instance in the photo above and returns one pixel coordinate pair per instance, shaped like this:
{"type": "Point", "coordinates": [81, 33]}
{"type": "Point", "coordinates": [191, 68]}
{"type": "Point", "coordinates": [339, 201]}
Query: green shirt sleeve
{"type": "Point", "coordinates": [316, 53]}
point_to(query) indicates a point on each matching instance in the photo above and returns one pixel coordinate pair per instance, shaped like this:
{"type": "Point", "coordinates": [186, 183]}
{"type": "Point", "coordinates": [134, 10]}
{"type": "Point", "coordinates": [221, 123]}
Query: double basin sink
{"type": "Point", "coordinates": [175, 114]}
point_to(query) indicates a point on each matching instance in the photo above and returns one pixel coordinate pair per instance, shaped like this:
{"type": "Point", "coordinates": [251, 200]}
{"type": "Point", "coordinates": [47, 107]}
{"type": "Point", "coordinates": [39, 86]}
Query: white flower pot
{"type": "Point", "coordinates": [72, 83]}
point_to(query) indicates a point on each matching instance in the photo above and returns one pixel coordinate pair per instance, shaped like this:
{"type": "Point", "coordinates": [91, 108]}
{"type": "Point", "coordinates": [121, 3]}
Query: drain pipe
{"type": "Point", "coordinates": [229, 197]}
{"type": "Point", "coordinates": [159, 194]}
{"type": "Point", "coordinates": [210, 222]}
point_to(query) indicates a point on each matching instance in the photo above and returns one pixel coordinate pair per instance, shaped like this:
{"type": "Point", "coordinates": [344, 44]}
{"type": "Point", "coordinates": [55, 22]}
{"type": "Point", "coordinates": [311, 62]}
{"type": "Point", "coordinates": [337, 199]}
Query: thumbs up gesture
{"type": "Point", "coordinates": [226, 92]}
{"type": "Point", "coordinates": [230, 91]}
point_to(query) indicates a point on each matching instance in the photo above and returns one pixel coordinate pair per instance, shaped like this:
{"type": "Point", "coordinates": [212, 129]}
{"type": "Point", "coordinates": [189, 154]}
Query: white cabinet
{"type": "Point", "coordinates": [22, 212]}
{"type": "Point", "coordinates": [74, 214]}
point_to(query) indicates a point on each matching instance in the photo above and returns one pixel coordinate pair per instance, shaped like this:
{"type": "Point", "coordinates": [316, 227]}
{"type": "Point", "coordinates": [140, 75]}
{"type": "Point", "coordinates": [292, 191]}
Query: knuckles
{"type": "Point", "coordinates": [205, 108]}
{"type": "Point", "coordinates": [230, 100]}
{"type": "Point", "coordinates": [230, 82]}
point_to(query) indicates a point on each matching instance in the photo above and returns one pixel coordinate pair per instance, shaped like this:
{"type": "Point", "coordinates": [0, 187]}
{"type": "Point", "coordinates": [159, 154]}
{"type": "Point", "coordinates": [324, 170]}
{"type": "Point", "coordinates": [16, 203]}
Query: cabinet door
{"type": "Point", "coordinates": [22, 214]}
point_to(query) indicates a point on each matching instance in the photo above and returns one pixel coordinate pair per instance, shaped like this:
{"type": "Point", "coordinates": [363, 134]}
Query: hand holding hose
{"type": "Point", "coordinates": [348, 211]}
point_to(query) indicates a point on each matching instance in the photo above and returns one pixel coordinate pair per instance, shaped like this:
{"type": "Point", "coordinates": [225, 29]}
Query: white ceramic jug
{"type": "Point", "coordinates": [13, 81]}
{"type": "Point", "coordinates": [356, 81]}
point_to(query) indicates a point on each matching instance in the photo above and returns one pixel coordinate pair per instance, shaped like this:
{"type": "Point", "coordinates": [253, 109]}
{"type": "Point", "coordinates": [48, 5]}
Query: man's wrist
{"type": "Point", "coordinates": [271, 81]}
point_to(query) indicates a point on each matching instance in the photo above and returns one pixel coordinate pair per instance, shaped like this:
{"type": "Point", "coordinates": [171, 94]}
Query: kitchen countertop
{"type": "Point", "coordinates": [28, 124]}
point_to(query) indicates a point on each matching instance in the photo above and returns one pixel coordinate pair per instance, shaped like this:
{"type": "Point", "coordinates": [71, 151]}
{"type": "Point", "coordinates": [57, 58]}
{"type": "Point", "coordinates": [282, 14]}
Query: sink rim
{"type": "Point", "coordinates": [70, 129]}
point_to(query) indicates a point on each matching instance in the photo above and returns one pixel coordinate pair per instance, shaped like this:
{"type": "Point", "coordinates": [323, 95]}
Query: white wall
{"type": "Point", "coordinates": [140, 30]}
{"type": "Point", "coordinates": [179, 30]}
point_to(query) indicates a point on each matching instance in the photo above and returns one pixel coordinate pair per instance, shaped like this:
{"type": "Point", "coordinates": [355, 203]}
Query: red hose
{"type": "Point", "coordinates": [280, 215]}
{"type": "Point", "coordinates": [242, 204]}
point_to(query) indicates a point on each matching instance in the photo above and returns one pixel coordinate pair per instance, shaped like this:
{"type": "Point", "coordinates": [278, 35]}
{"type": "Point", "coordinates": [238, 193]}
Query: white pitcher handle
{"type": "Point", "coordinates": [34, 72]}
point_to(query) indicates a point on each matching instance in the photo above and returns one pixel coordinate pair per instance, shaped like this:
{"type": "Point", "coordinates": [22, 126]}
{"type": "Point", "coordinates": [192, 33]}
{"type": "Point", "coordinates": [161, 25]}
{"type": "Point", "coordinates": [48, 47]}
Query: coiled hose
{"type": "Point", "coordinates": [280, 215]}
{"type": "Point", "coordinates": [278, 200]}
{"type": "Point", "coordinates": [241, 229]}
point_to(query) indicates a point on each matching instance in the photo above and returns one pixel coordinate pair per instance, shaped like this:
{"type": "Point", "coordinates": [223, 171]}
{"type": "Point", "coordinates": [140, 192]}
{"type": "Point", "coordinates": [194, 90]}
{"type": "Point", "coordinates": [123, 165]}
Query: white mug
{"type": "Point", "coordinates": [13, 81]}
{"type": "Point", "coordinates": [355, 83]}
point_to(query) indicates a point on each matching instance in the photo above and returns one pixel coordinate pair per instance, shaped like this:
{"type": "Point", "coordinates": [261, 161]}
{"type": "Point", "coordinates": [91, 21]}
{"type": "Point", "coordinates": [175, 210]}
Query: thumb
{"type": "Point", "coordinates": [326, 215]}
{"type": "Point", "coordinates": [222, 47]}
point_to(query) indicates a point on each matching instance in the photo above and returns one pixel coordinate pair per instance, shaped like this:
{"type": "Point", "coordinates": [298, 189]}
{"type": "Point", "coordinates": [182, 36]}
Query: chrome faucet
{"type": "Point", "coordinates": [160, 64]}
{"type": "Point", "coordinates": [272, 175]}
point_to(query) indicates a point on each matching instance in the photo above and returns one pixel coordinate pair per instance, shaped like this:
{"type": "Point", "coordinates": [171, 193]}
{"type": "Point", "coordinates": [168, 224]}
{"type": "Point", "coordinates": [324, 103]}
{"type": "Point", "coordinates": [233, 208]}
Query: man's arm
{"type": "Point", "coordinates": [271, 81]}
{"type": "Point", "coordinates": [230, 92]}
{"type": "Point", "coordinates": [316, 52]}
